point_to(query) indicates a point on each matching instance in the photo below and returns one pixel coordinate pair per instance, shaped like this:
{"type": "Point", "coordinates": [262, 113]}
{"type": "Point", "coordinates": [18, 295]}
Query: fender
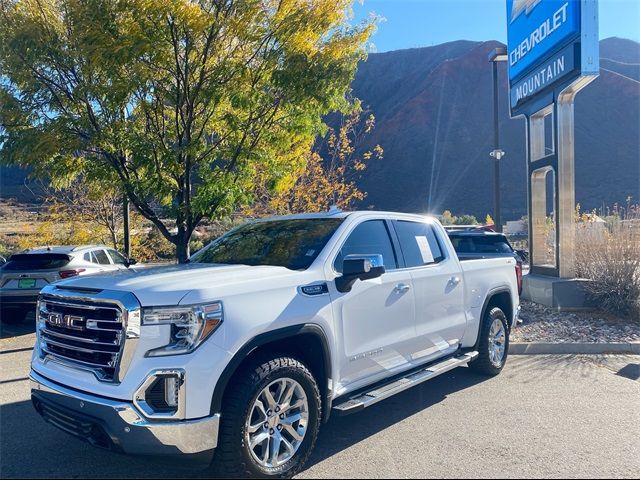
{"type": "Point", "coordinates": [264, 339]}
{"type": "Point", "coordinates": [490, 294]}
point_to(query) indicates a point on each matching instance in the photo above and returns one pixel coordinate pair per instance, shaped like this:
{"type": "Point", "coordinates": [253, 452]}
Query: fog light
{"type": "Point", "coordinates": [162, 395]}
{"type": "Point", "coordinates": [171, 387]}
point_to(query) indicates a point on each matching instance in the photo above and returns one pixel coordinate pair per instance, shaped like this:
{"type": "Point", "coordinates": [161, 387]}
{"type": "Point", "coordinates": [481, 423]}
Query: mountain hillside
{"type": "Point", "coordinates": [434, 119]}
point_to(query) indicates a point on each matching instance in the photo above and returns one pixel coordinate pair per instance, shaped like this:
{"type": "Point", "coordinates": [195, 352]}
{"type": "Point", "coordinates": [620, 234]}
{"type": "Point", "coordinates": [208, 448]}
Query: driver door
{"type": "Point", "coordinates": [376, 319]}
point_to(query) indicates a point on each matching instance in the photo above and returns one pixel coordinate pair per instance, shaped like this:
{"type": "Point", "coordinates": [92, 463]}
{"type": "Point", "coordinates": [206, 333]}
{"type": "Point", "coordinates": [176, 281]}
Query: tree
{"type": "Point", "coordinates": [91, 213]}
{"type": "Point", "coordinates": [328, 178]}
{"type": "Point", "coordinates": [96, 206]}
{"type": "Point", "coordinates": [466, 220]}
{"type": "Point", "coordinates": [447, 218]}
{"type": "Point", "coordinates": [182, 102]}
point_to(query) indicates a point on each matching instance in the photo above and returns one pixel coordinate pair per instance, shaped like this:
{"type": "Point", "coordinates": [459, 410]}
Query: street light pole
{"type": "Point", "coordinates": [498, 54]}
{"type": "Point", "coordinates": [496, 145]}
{"type": "Point", "coordinates": [125, 217]}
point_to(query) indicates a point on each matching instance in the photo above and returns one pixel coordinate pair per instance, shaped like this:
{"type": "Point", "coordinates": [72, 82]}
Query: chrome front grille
{"type": "Point", "coordinates": [89, 335]}
{"type": "Point", "coordinates": [86, 333]}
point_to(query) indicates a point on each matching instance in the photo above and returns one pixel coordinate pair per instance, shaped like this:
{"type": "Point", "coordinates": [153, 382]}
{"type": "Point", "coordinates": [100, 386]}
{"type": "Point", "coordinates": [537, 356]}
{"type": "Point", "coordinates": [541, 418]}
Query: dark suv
{"type": "Point", "coordinates": [471, 244]}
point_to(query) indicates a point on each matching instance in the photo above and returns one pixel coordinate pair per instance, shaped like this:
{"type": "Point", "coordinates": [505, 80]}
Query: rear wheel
{"type": "Point", "coordinates": [270, 420]}
{"type": "Point", "coordinates": [493, 346]}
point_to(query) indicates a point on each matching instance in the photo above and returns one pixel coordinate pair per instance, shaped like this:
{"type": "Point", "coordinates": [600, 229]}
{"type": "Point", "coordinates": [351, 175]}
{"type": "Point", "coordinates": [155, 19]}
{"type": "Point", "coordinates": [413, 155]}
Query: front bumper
{"type": "Point", "coordinates": [119, 426]}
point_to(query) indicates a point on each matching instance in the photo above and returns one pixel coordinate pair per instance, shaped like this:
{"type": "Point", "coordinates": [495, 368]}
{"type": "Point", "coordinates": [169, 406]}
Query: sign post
{"type": "Point", "coordinates": [553, 53]}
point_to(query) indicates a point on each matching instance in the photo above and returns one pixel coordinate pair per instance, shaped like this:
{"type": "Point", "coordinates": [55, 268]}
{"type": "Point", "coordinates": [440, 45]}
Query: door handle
{"type": "Point", "coordinates": [454, 280]}
{"type": "Point", "coordinates": [402, 288]}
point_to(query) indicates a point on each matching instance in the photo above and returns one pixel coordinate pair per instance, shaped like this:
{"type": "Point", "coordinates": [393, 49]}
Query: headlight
{"type": "Point", "coordinates": [190, 326]}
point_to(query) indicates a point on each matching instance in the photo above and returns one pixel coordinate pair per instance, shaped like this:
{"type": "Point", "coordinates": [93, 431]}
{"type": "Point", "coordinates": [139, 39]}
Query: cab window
{"type": "Point", "coordinates": [419, 243]}
{"type": "Point", "coordinates": [117, 258]}
{"type": "Point", "coordinates": [368, 238]}
{"type": "Point", "coordinates": [101, 257]}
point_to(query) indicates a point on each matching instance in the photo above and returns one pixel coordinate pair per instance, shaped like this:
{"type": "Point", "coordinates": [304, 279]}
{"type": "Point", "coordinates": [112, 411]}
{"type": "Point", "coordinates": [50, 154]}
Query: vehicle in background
{"type": "Point", "coordinates": [470, 228]}
{"type": "Point", "coordinates": [524, 256]}
{"type": "Point", "coordinates": [27, 272]}
{"type": "Point", "coordinates": [476, 243]}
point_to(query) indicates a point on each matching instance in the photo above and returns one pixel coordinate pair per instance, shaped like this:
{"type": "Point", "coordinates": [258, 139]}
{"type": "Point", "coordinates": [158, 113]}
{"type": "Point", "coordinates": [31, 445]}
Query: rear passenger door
{"type": "Point", "coordinates": [439, 293]}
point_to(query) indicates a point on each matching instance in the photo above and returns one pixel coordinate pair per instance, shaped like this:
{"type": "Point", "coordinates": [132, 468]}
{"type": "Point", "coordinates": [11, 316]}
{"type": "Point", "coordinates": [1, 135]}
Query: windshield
{"type": "Point", "coordinates": [292, 244]}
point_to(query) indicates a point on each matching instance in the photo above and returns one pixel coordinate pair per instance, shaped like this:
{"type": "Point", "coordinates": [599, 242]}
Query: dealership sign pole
{"type": "Point", "coordinates": [552, 54]}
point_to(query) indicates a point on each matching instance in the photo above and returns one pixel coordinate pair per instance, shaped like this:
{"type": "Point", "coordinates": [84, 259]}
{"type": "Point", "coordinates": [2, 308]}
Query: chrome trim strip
{"type": "Point", "coordinates": [46, 331]}
{"type": "Point", "coordinates": [83, 306]}
{"type": "Point", "coordinates": [48, 341]}
{"type": "Point", "coordinates": [72, 362]}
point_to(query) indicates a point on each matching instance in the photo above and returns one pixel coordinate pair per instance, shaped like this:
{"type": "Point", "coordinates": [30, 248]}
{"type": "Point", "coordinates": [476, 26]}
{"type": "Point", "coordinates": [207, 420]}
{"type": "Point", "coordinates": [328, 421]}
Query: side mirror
{"type": "Point", "coordinates": [131, 261]}
{"type": "Point", "coordinates": [359, 267]}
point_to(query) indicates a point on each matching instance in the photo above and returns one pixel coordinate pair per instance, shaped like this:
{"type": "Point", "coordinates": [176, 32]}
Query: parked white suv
{"type": "Point", "coordinates": [247, 350]}
{"type": "Point", "coordinates": [27, 272]}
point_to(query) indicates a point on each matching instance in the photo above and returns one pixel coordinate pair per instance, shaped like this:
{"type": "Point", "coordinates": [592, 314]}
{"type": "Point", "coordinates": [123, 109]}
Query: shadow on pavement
{"type": "Point", "coordinates": [16, 327]}
{"type": "Point", "coordinates": [32, 448]}
{"type": "Point", "coordinates": [342, 432]}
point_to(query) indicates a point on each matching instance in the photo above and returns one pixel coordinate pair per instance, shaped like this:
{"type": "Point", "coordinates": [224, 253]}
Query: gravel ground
{"type": "Point", "coordinates": [543, 324]}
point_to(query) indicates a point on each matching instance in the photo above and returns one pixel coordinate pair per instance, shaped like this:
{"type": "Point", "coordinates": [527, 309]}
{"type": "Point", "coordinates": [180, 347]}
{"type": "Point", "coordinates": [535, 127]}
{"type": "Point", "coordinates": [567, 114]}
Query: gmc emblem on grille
{"type": "Point", "coordinates": [66, 321]}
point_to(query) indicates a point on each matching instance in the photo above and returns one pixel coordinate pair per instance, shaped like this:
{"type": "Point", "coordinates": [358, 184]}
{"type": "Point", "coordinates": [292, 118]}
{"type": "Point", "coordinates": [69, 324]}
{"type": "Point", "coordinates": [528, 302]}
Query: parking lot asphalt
{"type": "Point", "coordinates": [544, 416]}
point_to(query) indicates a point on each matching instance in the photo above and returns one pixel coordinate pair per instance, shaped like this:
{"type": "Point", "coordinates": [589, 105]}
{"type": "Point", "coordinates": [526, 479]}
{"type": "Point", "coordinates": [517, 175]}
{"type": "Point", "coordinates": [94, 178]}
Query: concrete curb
{"type": "Point", "coordinates": [518, 348]}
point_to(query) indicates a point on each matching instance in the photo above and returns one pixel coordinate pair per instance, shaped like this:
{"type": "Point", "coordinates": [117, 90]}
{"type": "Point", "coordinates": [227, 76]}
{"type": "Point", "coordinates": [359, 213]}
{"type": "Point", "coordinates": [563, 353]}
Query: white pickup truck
{"type": "Point", "coordinates": [242, 354]}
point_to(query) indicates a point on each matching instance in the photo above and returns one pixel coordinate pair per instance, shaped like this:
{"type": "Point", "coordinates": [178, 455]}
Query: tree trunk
{"type": "Point", "coordinates": [182, 245]}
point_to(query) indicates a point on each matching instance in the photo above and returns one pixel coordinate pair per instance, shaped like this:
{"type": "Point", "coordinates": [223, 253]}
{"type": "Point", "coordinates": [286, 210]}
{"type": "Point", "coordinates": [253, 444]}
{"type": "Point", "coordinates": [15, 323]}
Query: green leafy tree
{"type": "Point", "coordinates": [466, 220]}
{"type": "Point", "coordinates": [180, 102]}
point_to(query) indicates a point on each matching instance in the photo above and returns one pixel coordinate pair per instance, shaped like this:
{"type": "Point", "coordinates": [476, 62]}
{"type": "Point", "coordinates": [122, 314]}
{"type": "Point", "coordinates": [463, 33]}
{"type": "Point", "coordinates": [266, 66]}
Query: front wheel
{"type": "Point", "coordinates": [493, 346]}
{"type": "Point", "coordinates": [270, 420]}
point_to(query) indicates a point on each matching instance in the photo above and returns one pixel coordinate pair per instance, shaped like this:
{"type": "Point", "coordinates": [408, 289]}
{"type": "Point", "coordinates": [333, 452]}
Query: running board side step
{"type": "Point", "coordinates": [366, 399]}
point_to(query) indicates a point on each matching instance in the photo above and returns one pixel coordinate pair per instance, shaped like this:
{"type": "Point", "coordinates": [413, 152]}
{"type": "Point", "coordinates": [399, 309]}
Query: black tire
{"type": "Point", "coordinates": [483, 363]}
{"type": "Point", "coordinates": [232, 456]}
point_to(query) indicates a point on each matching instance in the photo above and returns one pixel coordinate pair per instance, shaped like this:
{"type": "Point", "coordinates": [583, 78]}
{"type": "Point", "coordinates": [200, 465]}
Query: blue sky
{"type": "Point", "coordinates": [419, 23]}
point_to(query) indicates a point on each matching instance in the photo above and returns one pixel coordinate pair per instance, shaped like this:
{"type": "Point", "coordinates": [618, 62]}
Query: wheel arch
{"type": "Point", "coordinates": [311, 348]}
{"type": "Point", "coordinates": [497, 297]}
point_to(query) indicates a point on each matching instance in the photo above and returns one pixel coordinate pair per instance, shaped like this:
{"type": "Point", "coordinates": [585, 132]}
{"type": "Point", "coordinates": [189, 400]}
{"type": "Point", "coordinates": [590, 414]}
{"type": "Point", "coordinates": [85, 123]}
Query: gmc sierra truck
{"type": "Point", "coordinates": [240, 355]}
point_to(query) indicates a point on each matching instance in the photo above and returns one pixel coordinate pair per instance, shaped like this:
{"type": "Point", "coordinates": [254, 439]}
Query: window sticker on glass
{"type": "Point", "coordinates": [310, 253]}
{"type": "Point", "coordinates": [425, 249]}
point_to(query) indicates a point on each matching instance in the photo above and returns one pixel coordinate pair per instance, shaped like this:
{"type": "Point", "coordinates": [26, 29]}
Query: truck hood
{"type": "Point", "coordinates": [168, 285]}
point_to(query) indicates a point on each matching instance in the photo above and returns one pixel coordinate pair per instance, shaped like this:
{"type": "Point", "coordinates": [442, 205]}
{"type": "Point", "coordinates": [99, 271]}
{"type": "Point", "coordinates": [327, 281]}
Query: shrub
{"type": "Point", "coordinates": [609, 255]}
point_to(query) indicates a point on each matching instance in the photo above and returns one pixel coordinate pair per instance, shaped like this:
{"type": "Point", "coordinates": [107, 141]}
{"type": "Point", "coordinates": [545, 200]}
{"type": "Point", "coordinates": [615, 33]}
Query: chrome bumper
{"type": "Point", "coordinates": [119, 426]}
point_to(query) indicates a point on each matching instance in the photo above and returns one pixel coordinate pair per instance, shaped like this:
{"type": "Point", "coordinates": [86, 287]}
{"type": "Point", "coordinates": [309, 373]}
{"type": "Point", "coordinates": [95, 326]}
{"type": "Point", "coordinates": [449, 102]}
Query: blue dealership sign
{"type": "Point", "coordinates": [556, 68]}
{"type": "Point", "coordinates": [550, 44]}
{"type": "Point", "coordinates": [537, 28]}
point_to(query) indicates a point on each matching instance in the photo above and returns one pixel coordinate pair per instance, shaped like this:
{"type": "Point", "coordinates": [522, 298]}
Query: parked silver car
{"type": "Point", "coordinates": [27, 272]}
